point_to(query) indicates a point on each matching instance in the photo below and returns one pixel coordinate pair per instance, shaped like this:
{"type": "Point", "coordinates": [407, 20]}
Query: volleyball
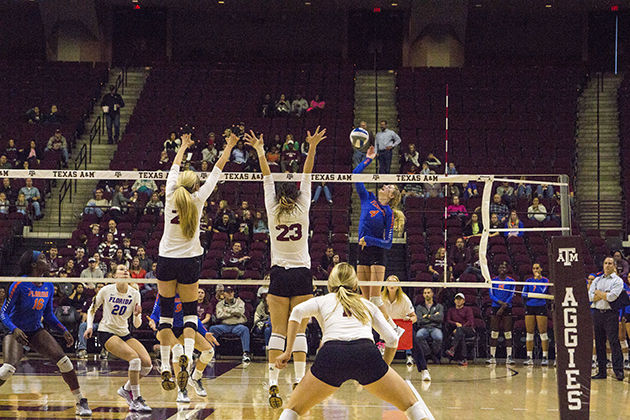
{"type": "Point", "coordinates": [358, 137]}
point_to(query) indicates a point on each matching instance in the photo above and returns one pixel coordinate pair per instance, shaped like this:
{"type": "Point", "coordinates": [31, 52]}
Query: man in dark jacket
{"type": "Point", "coordinates": [111, 104]}
{"type": "Point", "coordinates": [430, 316]}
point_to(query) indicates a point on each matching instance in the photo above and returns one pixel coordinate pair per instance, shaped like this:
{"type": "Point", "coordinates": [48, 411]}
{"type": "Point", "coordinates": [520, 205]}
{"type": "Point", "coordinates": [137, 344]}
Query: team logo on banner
{"type": "Point", "coordinates": [573, 328]}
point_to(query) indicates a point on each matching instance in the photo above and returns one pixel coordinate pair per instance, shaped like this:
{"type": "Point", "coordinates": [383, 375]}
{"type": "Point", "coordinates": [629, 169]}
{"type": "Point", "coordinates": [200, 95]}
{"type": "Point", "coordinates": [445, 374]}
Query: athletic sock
{"type": "Point", "coordinates": [508, 352]}
{"type": "Point", "coordinates": [78, 395]}
{"type": "Point", "coordinates": [135, 391]}
{"type": "Point", "coordinates": [273, 374]}
{"type": "Point", "coordinates": [288, 415]}
{"type": "Point", "coordinates": [493, 352]}
{"type": "Point", "coordinates": [165, 355]}
{"type": "Point", "coordinates": [530, 354]}
{"type": "Point", "coordinates": [189, 348]}
{"type": "Point", "coordinates": [300, 370]}
{"type": "Point", "coordinates": [546, 354]}
{"type": "Point", "coordinates": [127, 386]}
{"type": "Point", "coordinates": [197, 374]}
{"type": "Point", "coordinates": [416, 412]}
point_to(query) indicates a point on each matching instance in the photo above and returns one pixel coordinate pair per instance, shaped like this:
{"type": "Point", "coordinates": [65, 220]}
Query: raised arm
{"type": "Point", "coordinates": [369, 157]}
{"type": "Point", "coordinates": [186, 143]}
{"type": "Point", "coordinates": [258, 145]}
{"type": "Point", "coordinates": [312, 140]}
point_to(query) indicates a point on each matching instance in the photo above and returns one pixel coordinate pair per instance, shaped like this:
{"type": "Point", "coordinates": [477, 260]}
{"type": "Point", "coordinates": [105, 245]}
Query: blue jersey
{"type": "Point", "coordinates": [626, 310]}
{"type": "Point", "coordinates": [376, 224]}
{"type": "Point", "coordinates": [178, 315]}
{"type": "Point", "coordinates": [535, 289]}
{"type": "Point", "coordinates": [27, 304]}
{"type": "Point", "coordinates": [502, 292]}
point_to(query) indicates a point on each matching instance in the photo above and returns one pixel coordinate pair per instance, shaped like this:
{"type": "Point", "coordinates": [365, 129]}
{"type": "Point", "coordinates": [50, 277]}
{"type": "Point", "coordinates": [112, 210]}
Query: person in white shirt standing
{"type": "Point", "coordinates": [384, 143]}
{"type": "Point", "coordinates": [180, 253]}
{"type": "Point", "coordinates": [120, 300]}
{"type": "Point", "coordinates": [348, 350]}
{"type": "Point", "coordinates": [291, 282]}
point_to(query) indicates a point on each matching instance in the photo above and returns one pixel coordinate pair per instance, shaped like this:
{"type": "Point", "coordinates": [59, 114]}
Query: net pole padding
{"type": "Point", "coordinates": [485, 220]}
{"type": "Point", "coordinates": [565, 214]}
{"type": "Point", "coordinates": [446, 188]}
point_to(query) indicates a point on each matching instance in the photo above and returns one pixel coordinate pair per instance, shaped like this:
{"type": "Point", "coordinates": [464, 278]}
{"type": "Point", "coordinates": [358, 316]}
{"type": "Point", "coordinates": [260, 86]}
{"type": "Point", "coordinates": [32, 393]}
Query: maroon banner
{"type": "Point", "coordinates": [573, 327]}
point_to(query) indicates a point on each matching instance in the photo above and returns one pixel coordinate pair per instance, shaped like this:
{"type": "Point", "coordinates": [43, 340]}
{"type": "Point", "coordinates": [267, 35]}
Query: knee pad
{"type": "Point", "coordinates": [377, 300]}
{"type": "Point", "coordinates": [206, 356]}
{"type": "Point", "coordinates": [190, 314]}
{"type": "Point", "coordinates": [528, 337]}
{"type": "Point", "coordinates": [543, 337]}
{"type": "Point", "coordinates": [145, 370]}
{"type": "Point", "coordinates": [191, 321]}
{"type": "Point", "coordinates": [508, 335]}
{"type": "Point", "coordinates": [300, 344]}
{"type": "Point", "coordinates": [277, 342]}
{"type": "Point", "coordinates": [65, 365]}
{"type": "Point", "coordinates": [135, 365]}
{"type": "Point", "coordinates": [494, 335]}
{"type": "Point", "coordinates": [167, 308]}
{"type": "Point", "coordinates": [177, 351]}
{"type": "Point", "coordinates": [6, 371]}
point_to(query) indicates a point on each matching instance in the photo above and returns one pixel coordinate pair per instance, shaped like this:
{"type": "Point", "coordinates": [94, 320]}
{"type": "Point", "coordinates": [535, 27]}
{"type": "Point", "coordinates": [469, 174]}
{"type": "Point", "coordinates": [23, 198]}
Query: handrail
{"type": "Point", "coordinates": [95, 130]}
{"type": "Point", "coordinates": [67, 184]}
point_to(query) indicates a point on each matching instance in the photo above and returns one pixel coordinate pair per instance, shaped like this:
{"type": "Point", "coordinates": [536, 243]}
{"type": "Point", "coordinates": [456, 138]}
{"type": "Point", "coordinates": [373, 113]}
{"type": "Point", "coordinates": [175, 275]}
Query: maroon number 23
{"type": "Point", "coordinates": [289, 233]}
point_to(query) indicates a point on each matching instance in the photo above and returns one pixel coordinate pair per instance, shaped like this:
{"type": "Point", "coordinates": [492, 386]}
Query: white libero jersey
{"type": "Point", "coordinates": [289, 235]}
{"type": "Point", "coordinates": [173, 243]}
{"type": "Point", "coordinates": [117, 308]}
{"type": "Point", "coordinates": [337, 326]}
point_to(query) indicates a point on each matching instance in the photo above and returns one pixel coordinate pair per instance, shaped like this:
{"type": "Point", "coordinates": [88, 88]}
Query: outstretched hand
{"type": "Point", "coordinates": [187, 140]}
{"type": "Point", "coordinates": [231, 141]}
{"type": "Point", "coordinates": [256, 143]}
{"type": "Point", "coordinates": [371, 152]}
{"type": "Point", "coordinates": [314, 139]}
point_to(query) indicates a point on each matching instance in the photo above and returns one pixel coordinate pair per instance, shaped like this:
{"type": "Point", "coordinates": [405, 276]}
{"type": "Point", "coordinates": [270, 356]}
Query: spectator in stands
{"type": "Point", "coordinates": [145, 262]}
{"type": "Point", "coordinates": [326, 260]}
{"type": "Point", "coordinates": [457, 209]}
{"type": "Point", "coordinates": [8, 190]}
{"type": "Point", "coordinates": [495, 223]}
{"type": "Point", "coordinates": [225, 225]}
{"type": "Point", "coordinates": [621, 264]}
{"type": "Point", "coordinates": [209, 153]}
{"type": "Point", "coordinates": [154, 206]}
{"type": "Point", "coordinates": [247, 223]}
{"type": "Point", "coordinates": [513, 223]}
{"type": "Point", "coordinates": [317, 104]}
{"type": "Point", "coordinates": [436, 268]}
{"type": "Point", "coordinates": [224, 208]}
{"type": "Point", "coordinates": [58, 142]}
{"type": "Point", "coordinates": [151, 274]}
{"type": "Point", "coordinates": [33, 196]}
{"type": "Point", "coordinates": [113, 229]}
{"type": "Point", "coordinates": [523, 190]}
{"type": "Point", "coordinates": [99, 263]}
{"type": "Point", "coordinates": [92, 271]}
{"type": "Point", "coordinates": [108, 249]}
{"type": "Point", "coordinates": [230, 312]}
{"type": "Point", "coordinates": [537, 211]}
{"type": "Point", "coordinates": [473, 227]}
{"type": "Point", "coordinates": [384, 143]}
{"type": "Point", "coordinates": [172, 143]}
{"type": "Point", "coordinates": [430, 315]}
{"type": "Point", "coordinates": [502, 211]}
{"type": "Point", "coordinates": [165, 162]}
{"type": "Point", "coordinates": [33, 116]}
{"type": "Point", "coordinates": [282, 106]}
{"type": "Point", "coordinates": [127, 249]}
{"type": "Point", "coordinates": [69, 268]}
{"type": "Point", "coordinates": [462, 321]}
{"type": "Point", "coordinates": [506, 191]}
{"type": "Point", "coordinates": [204, 309]}
{"type": "Point", "coordinates": [471, 190]}
{"type": "Point", "coordinates": [235, 259]}
{"type": "Point", "coordinates": [81, 342]}
{"type": "Point", "coordinates": [135, 270]}
{"type": "Point", "coordinates": [413, 189]}
{"type": "Point", "coordinates": [240, 156]}
{"type": "Point", "coordinates": [4, 204]}
{"type": "Point", "coordinates": [433, 190]}
{"type": "Point", "coordinates": [11, 152]}
{"type": "Point", "coordinates": [120, 258]}
{"type": "Point", "coordinates": [290, 158]}
{"type": "Point", "coordinates": [4, 163]}
{"type": "Point", "coordinates": [54, 117]}
{"type": "Point", "coordinates": [262, 321]}
{"type": "Point", "coordinates": [398, 307]}
{"type": "Point", "coordinates": [433, 162]}
{"type": "Point", "coordinates": [273, 156]}
{"type": "Point", "coordinates": [459, 257]}
{"type": "Point", "coordinates": [299, 105]}
{"type": "Point", "coordinates": [318, 191]}
{"type": "Point", "coordinates": [97, 205]}
{"type": "Point", "coordinates": [94, 237]}
{"type": "Point", "coordinates": [54, 259]}
{"type": "Point", "coordinates": [111, 104]}
{"type": "Point", "coordinates": [120, 203]}
{"type": "Point", "coordinates": [144, 186]}
{"type": "Point", "coordinates": [32, 155]}
{"type": "Point", "coordinates": [336, 259]}
{"type": "Point", "coordinates": [266, 107]}
{"type": "Point", "coordinates": [80, 261]}
{"type": "Point", "coordinates": [544, 191]}
{"type": "Point", "coordinates": [260, 223]}
{"type": "Point", "coordinates": [451, 169]}
{"type": "Point", "coordinates": [21, 205]}
{"type": "Point", "coordinates": [411, 159]}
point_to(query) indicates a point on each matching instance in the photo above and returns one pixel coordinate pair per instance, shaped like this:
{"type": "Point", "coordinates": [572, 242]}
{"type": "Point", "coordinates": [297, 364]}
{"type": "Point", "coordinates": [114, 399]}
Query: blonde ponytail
{"type": "Point", "coordinates": [187, 182]}
{"type": "Point", "coordinates": [399, 216]}
{"type": "Point", "coordinates": [343, 281]}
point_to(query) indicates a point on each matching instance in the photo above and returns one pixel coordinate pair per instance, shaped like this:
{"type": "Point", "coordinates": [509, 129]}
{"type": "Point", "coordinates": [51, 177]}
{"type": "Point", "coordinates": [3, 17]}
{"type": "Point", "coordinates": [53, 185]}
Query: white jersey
{"type": "Point", "coordinates": [289, 235]}
{"type": "Point", "coordinates": [117, 308]}
{"type": "Point", "coordinates": [173, 243]}
{"type": "Point", "coordinates": [400, 308]}
{"type": "Point", "coordinates": [337, 326]}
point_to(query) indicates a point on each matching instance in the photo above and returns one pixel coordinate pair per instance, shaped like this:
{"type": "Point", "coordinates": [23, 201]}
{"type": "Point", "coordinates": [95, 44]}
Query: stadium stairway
{"type": "Point", "coordinates": [610, 186]}
{"type": "Point", "coordinates": [365, 109]}
{"type": "Point", "coordinates": [54, 226]}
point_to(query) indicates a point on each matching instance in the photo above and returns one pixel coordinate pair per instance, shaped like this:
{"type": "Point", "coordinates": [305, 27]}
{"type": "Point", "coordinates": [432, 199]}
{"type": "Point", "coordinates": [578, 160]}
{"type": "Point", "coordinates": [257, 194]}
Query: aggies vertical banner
{"type": "Point", "coordinates": [573, 327]}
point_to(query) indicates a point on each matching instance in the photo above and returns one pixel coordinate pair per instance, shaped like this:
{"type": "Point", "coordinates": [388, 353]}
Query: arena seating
{"type": "Point", "coordinates": [624, 137]}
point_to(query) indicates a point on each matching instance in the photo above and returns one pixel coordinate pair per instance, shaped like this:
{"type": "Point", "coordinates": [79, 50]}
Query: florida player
{"type": "Point", "coordinates": [536, 314]}
{"type": "Point", "coordinates": [120, 300]}
{"type": "Point", "coordinates": [377, 223]}
{"type": "Point", "coordinates": [291, 282]}
{"type": "Point", "coordinates": [501, 295]}
{"type": "Point", "coordinates": [204, 342]}
{"type": "Point", "coordinates": [22, 313]}
{"type": "Point", "coordinates": [180, 251]}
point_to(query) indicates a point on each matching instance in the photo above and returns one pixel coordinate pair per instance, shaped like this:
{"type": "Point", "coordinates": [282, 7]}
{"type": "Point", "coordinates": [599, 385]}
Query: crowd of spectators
{"type": "Point", "coordinates": [283, 107]}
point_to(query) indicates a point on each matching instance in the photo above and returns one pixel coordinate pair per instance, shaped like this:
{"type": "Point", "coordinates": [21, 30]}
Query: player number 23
{"type": "Point", "coordinates": [289, 233]}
